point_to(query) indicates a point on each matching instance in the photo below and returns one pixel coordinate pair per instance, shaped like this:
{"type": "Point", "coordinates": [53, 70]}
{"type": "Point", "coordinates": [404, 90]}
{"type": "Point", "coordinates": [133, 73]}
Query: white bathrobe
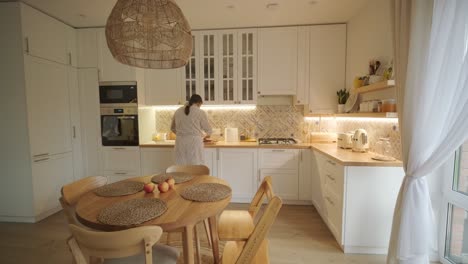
{"type": "Point", "coordinates": [190, 130]}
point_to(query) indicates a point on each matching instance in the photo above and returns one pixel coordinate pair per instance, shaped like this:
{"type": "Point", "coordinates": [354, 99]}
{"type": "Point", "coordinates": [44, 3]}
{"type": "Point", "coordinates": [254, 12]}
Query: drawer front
{"type": "Point", "coordinates": [279, 159]}
{"type": "Point", "coordinates": [334, 207]}
{"type": "Point", "coordinates": [334, 181]}
{"type": "Point", "coordinates": [121, 159]}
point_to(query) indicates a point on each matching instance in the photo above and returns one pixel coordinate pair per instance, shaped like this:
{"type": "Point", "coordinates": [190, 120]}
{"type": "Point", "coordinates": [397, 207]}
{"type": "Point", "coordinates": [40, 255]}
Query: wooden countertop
{"type": "Point", "coordinates": [222, 144]}
{"type": "Point", "coordinates": [344, 157]}
{"type": "Point", "coordinates": [347, 157]}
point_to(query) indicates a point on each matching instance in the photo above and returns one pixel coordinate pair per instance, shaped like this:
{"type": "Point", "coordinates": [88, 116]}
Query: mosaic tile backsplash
{"type": "Point", "coordinates": [288, 121]}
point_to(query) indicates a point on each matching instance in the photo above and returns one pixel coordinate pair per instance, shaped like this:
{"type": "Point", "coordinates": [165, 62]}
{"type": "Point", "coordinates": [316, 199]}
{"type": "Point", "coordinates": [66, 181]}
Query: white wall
{"type": "Point", "coordinates": [369, 37]}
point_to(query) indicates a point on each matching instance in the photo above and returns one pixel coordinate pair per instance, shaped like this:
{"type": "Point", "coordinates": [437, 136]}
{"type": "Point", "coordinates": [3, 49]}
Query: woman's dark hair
{"type": "Point", "coordinates": [194, 99]}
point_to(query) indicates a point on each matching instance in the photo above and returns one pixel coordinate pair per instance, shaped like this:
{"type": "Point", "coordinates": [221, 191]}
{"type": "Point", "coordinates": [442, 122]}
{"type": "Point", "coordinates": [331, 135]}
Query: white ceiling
{"type": "Point", "coordinates": [208, 14]}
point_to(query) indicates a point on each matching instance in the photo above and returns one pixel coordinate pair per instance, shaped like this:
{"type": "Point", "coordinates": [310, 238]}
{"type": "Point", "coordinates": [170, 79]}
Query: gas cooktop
{"type": "Point", "coordinates": [279, 141]}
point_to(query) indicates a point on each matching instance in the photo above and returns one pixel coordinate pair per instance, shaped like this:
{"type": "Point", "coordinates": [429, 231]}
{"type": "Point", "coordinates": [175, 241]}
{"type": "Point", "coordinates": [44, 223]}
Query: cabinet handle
{"type": "Point", "coordinates": [330, 177]}
{"type": "Point", "coordinates": [69, 58]}
{"type": "Point", "coordinates": [298, 101]}
{"type": "Point", "coordinates": [74, 132]}
{"type": "Point", "coordinates": [120, 173]}
{"type": "Point", "coordinates": [258, 92]}
{"type": "Point", "coordinates": [332, 163]}
{"type": "Point", "coordinates": [118, 148]}
{"type": "Point", "coordinates": [329, 200]}
{"type": "Point", "coordinates": [217, 154]}
{"type": "Point", "coordinates": [278, 150]}
{"type": "Point", "coordinates": [27, 45]}
{"type": "Point", "coordinates": [300, 155]}
{"type": "Point", "coordinates": [41, 159]}
{"type": "Point", "coordinates": [40, 155]}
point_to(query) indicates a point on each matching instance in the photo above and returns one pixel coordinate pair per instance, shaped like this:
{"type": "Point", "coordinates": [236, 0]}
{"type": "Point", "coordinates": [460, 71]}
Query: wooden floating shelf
{"type": "Point", "coordinates": [375, 86]}
{"type": "Point", "coordinates": [364, 115]}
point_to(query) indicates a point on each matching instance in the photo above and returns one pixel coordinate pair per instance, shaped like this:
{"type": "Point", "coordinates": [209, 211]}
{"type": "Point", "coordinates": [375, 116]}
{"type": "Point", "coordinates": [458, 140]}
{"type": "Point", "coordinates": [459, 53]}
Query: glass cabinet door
{"type": "Point", "coordinates": [208, 61]}
{"type": "Point", "coordinates": [228, 67]}
{"type": "Point", "coordinates": [190, 77]}
{"type": "Point", "coordinates": [247, 65]}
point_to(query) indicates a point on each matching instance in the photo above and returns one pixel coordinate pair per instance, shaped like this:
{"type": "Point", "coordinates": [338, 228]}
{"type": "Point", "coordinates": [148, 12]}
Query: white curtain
{"type": "Point", "coordinates": [432, 90]}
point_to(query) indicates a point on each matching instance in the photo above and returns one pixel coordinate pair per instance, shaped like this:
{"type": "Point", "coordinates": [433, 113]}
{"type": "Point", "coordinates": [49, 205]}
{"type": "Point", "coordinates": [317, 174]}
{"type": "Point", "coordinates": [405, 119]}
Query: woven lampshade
{"type": "Point", "coordinates": [149, 34]}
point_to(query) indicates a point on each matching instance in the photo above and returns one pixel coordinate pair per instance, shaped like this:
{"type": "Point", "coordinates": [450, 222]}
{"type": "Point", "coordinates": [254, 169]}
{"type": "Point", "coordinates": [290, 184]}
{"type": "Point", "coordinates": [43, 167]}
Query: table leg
{"type": "Point", "coordinates": [197, 245]}
{"type": "Point", "coordinates": [188, 245]}
{"type": "Point", "coordinates": [214, 238]}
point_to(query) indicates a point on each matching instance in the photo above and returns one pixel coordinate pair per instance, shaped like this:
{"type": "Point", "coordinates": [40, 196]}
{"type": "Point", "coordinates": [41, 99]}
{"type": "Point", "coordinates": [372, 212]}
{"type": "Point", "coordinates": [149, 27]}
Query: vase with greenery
{"type": "Point", "coordinates": [343, 96]}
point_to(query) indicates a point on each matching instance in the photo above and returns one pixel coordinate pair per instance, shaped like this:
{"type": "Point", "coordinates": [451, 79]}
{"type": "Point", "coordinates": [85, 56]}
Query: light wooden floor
{"type": "Point", "coordinates": [298, 236]}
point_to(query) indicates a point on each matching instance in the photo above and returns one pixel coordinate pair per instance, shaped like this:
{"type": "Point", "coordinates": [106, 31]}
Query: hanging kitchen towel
{"type": "Point", "coordinates": [110, 126]}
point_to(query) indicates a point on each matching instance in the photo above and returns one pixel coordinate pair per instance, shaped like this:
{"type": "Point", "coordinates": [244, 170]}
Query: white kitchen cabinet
{"type": "Point", "coordinates": [303, 46]}
{"type": "Point", "coordinates": [190, 80]}
{"type": "Point", "coordinates": [110, 69]}
{"type": "Point", "coordinates": [48, 176]}
{"type": "Point", "coordinates": [227, 66]}
{"type": "Point", "coordinates": [283, 167]}
{"type": "Point", "coordinates": [239, 168]}
{"type": "Point", "coordinates": [44, 36]}
{"type": "Point", "coordinates": [208, 45]}
{"type": "Point", "coordinates": [156, 160]}
{"type": "Point", "coordinates": [72, 48]}
{"type": "Point", "coordinates": [305, 179]}
{"type": "Point", "coordinates": [162, 87]}
{"type": "Point", "coordinates": [350, 197]}
{"type": "Point", "coordinates": [74, 92]}
{"type": "Point", "coordinates": [247, 66]}
{"type": "Point", "coordinates": [211, 160]}
{"type": "Point", "coordinates": [48, 106]}
{"type": "Point", "coordinates": [121, 161]}
{"type": "Point", "coordinates": [90, 131]}
{"type": "Point", "coordinates": [87, 47]}
{"type": "Point", "coordinates": [327, 56]}
{"type": "Point", "coordinates": [277, 61]}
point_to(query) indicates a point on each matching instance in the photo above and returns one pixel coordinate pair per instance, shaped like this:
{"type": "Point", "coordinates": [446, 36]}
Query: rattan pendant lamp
{"type": "Point", "coordinates": [149, 34]}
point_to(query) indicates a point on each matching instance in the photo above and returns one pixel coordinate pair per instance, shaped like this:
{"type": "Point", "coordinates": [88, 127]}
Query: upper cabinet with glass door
{"type": "Point", "coordinates": [190, 82]}
{"type": "Point", "coordinates": [227, 73]}
{"type": "Point", "coordinates": [247, 65]}
{"type": "Point", "coordinates": [208, 66]}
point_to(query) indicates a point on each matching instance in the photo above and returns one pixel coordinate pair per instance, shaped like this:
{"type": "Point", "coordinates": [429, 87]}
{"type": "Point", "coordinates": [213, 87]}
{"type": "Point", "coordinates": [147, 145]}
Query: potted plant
{"type": "Point", "coordinates": [343, 96]}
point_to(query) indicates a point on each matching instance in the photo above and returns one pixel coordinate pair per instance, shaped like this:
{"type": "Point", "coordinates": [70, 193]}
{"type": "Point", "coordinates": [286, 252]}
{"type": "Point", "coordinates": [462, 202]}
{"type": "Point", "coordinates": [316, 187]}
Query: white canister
{"type": "Point", "coordinates": [231, 134]}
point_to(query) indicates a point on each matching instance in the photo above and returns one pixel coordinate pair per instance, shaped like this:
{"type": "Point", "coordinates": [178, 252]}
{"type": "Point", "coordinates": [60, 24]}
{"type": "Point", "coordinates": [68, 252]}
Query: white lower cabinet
{"type": "Point", "coordinates": [156, 160]}
{"type": "Point", "coordinates": [283, 167]}
{"type": "Point", "coordinates": [211, 160]}
{"type": "Point", "coordinates": [356, 202]}
{"type": "Point", "coordinates": [49, 174]}
{"type": "Point", "coordinates": [121, 162]}
{"type": "Point", "coordinates": [239, 168]}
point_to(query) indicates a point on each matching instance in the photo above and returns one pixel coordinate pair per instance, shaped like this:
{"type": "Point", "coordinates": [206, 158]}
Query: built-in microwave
{"type": "Point", "coordinates": [118, 93]}
{"type": "Point", "coordinates": [119, 126]}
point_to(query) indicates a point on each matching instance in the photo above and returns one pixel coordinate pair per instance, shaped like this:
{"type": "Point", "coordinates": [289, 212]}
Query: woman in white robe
{"type": "Point", "coordinates": [190, 124]}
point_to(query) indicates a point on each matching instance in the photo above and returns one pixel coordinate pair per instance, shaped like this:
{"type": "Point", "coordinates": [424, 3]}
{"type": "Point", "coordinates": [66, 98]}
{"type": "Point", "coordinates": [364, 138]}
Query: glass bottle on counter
{"type": "Point", "coordinates": [383, 147]}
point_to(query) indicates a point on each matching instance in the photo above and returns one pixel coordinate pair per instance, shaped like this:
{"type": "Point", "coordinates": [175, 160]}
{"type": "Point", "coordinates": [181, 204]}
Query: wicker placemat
{"type": "Point", "coordinates": [179, 177]}
{"type": "Point", "coordinates": [132, 212]}
{"type": "Point", "coordinates": [119, 189]}
{"type": "Point", "coordinates": [206, 192]}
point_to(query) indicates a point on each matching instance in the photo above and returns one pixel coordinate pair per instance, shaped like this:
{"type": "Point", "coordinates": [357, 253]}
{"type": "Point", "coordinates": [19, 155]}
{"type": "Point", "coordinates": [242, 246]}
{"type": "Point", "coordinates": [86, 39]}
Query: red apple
{"type": "Point", "coordinates": [171, 182]}
{"type": "Point", "coordinates": [163, 187]}
{"type": "Point", "coordinates": [149, 187]}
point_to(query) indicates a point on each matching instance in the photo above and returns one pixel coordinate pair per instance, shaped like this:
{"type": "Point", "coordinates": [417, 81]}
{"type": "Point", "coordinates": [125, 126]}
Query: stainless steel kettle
{"type": "Point", "coordinates": [360, 140]}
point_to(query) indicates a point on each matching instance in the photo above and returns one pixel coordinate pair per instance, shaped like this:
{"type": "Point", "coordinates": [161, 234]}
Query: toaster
{"type": "Point", "coordinates": [344, 140]}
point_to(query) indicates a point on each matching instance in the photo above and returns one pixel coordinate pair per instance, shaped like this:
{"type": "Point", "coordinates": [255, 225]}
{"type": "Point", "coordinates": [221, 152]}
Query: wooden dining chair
{"type": "Point", "coordinates": [135, 245]}
{"type": "Point", "coordinates": [72, 192]}
{"type": "Point", "coordinates": [254, 250]}
{"type": "Point", "coordinates": [239, 224]}
{"type": "Point", "coordinates": [190, 169]}
{"type": "Point", "coordinates": [196, 170]}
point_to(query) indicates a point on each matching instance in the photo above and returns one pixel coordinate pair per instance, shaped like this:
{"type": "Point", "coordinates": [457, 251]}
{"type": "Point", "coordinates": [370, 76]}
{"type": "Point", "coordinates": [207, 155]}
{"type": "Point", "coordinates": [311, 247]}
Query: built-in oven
{"type": "Point", "coordinates": [118, 93]}
{"type": "Point", "coordinates": [119, 126]}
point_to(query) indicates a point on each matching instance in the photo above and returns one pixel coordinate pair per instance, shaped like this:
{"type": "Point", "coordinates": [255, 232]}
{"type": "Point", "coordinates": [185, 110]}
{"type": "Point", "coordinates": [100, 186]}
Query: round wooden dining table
{"type": "Point", "coordinates": [181, 214]}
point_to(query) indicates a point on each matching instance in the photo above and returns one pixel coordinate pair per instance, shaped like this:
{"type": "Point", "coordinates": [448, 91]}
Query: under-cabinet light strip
{"type": "Point", "coordinates": [207, 107]}
{"type": "Point", "coordinates": [362, 119]}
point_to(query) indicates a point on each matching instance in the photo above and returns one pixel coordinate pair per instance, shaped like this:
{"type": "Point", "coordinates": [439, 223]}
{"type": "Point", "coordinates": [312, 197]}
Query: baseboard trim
{"type": "Point", "coordinates": [29, 219]}
{"type": "Point", "coordinates": [365, 250]}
